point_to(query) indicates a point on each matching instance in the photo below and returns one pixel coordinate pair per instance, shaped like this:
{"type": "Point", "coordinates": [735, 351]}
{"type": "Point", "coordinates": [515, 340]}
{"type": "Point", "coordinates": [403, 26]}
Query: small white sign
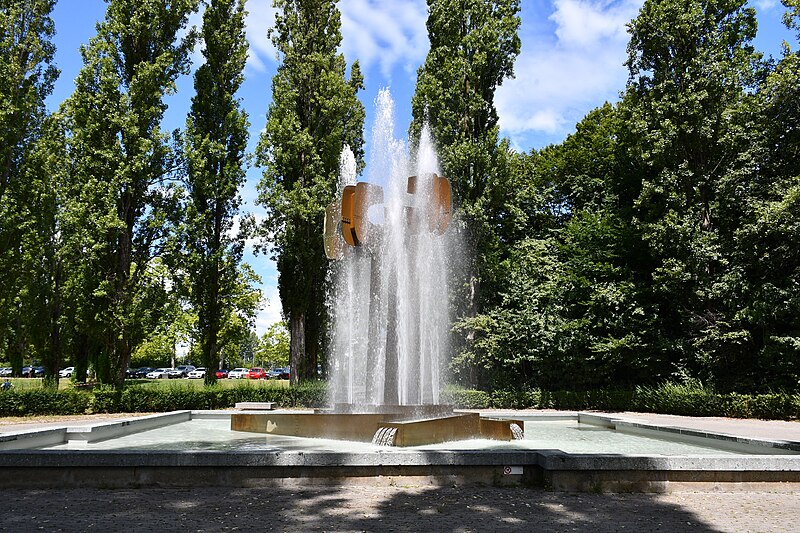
{"type": "Point", "coordinates": [512, 470]}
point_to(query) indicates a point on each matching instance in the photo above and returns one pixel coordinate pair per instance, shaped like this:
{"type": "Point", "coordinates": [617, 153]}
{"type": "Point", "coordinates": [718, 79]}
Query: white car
{"type": "Point", "coordinates": [158, 373]}
{"type": "Point", "coordinates": [238, 373]}
{"type": "Point", "coordinates": [197, 373]}
{"type": "Point", "coordinates": [66, 372]}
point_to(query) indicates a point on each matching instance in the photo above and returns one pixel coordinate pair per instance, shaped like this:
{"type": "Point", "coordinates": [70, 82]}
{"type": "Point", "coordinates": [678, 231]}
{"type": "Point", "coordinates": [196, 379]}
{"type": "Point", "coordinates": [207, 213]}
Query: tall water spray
{"type": "Point", "coordinates": [389, 302]}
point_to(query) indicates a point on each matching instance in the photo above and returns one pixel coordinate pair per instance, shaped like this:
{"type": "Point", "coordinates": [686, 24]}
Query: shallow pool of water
{"type": "Point", "coordinates": [567, 436]}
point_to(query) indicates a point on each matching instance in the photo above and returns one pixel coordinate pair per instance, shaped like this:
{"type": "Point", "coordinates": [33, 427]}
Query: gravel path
{"type": "Point", "coordinates": [369, 508]}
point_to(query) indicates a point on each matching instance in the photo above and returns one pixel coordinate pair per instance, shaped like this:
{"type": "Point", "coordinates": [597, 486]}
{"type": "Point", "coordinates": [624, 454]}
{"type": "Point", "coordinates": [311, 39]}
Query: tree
{"type": "Point", "coordinates": [314, 114]}
{"type": "Point", "coordinates": [692, 72]}
{"type": "Point", "coordinates": [767, 243]}
{"type": "Point", "coordinates": [122, 212]}
{"type": "Point", "coordinates": [26, 55]}
{"type": "Point", "coordinates": [273, 347]}
{"type": "Point", "coordinates": [216, 142]}
{"type": "Point", "coordinates": [473, 47]}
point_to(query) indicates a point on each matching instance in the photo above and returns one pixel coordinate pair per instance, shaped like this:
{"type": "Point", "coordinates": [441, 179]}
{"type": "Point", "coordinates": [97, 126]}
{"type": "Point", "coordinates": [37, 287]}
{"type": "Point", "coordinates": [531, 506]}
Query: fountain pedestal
{"type": "Point", "coordinates": [387, 425]}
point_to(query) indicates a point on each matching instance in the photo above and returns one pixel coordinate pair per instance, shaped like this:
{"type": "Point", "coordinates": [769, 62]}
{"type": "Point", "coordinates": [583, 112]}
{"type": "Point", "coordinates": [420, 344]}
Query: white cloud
{"type": "Point", "coordinates": [379, 33]}
{"type": "Point", "coordinates": [567, 70]}
{"type": "Point", "coordinates": [260, 18]}
{"type": "Point", "coordinates": [384, 33]}
{"type": "Point", "coordinates": [765, 5]}
{"type": "Point", "coordinates": [586, 23]}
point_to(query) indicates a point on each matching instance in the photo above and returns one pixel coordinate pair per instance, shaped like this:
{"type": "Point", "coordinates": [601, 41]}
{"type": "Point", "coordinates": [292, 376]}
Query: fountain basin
{"type": "Point", "coordinates": [201, 452]}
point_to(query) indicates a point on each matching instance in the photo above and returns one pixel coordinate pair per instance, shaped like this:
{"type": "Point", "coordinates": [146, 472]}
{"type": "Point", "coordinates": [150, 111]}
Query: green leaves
{"type": "Point", "coordinates": [123, 203]}
{"type": "Point", "coordinates": [216, 140]}
{"type": "Point", "coordinates": [314, 114]}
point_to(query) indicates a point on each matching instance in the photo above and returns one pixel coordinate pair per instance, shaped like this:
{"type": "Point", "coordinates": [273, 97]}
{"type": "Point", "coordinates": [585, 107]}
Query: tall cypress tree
{"type": "Point", "coordinates": [314, 113]}
{"type": "Point", "coordinates": [122, 162]}
{"type": "Point", "coordinates": [217, 139]}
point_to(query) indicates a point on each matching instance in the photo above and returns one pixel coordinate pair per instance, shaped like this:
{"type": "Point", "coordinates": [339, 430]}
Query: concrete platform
{"type": "Point", "coordinates": [778, 470]}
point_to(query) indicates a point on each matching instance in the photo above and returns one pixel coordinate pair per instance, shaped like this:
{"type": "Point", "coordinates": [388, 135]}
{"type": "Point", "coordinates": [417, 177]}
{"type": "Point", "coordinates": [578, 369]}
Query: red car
{"type": "Point", "coordinates": [257, 373]}
{"type": "Point", "coordinates": [221, 374]}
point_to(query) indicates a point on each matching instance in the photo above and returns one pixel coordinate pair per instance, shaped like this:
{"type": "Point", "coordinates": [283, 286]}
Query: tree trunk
{"type": "Point", "coordinates": [297, 323]}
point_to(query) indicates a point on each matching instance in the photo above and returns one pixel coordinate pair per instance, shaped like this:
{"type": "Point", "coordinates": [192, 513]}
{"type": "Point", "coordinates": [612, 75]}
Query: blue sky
{"type": "Point", "coordinates": [571, 61]}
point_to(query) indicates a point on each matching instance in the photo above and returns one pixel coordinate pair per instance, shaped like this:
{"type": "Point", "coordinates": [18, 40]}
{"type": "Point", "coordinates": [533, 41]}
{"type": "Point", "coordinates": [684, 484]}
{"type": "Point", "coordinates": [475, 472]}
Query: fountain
{"type": "Point", "coordinates": [389, 243]}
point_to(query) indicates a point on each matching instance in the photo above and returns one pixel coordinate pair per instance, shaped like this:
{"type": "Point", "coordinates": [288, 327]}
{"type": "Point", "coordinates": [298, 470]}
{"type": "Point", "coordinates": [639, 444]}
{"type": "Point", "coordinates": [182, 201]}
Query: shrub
{"type": "Point", "coordinates": [28, 402]}
{"type": "Point", "coordinates": [466, 398]}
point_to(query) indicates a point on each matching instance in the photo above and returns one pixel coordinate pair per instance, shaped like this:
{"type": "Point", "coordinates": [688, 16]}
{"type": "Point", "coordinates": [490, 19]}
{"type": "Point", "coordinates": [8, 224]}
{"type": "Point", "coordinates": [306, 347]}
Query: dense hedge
{"type": "Point", "coordinates": [668, 398]}
{"type": "Point", "coordinates": [44, 402]}
{"type": "Point", "coordinates": [146, 399]}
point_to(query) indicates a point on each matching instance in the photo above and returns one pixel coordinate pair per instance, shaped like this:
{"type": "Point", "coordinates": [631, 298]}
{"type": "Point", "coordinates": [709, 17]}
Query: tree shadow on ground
{"type": "Point", "coordinates": [374, 508]}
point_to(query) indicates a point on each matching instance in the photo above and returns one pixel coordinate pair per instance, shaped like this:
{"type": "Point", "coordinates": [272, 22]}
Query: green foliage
{"type": "Point", "coordinates": [28, 302]}
{"type": "Point", "coordinates": [273, 347]}
{"type": "Point", "coordinates": [216, 143]}
{"type": "Point", "coordinates": [314, 114]}
{"type": "Point", "coordinates": [121, 213]}
{"type": "Point", "coordinates": [662, 239]}
{"type": "Point", "coordinates": [179, 396]}
{"type": "Point", "coordinates": [43, 401]}
{"type": "Point", "coordinates": [687, 399]}
{"type": "Point", "coordinates": [473, 47]}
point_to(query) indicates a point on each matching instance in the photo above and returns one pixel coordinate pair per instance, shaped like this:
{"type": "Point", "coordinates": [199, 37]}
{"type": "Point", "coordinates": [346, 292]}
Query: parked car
{"type": "Point", "coordinates": [257, 373]}
{"type": "Point", "coordinates": [197, 373]}
{"type": "Point", "coordinates": [222, 373]}
{"type": "Point", "coordinates": [158, 373]}
{"type": "Point", "coordinates": [142, 372]}
{"type": "Point", "coordinates": [181, 371]}
{"type": "Point", "coordinates": [38, 371]}
{"type": "Point", "coordinates": [66, 372]}
{"type": "Point", "coordinates": [283, 373]}
{"type": "Point", "coordinates": [273, 374]}
{"type": "Point", "coordinates": [238, 373]}
{"type": "Point", "coordinates": [6, 372]}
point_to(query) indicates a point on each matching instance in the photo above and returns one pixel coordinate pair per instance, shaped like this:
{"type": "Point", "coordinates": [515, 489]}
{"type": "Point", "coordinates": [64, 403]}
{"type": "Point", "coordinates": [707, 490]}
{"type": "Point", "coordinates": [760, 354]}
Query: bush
{"type": "Point", "coordinates": [466, 398]}
{"type": "Point", "coordinates": [689, 399]}
{"type": "Point", "coordinates": [27, 402]}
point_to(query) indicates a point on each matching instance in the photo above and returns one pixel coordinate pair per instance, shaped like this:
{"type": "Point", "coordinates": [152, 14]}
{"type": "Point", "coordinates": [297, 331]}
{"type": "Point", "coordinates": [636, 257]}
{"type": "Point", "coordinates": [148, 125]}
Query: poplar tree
{"type": "Point", "coordinates": [26, 56]}
{"type": "Point", "coordinates": [217, 140]}
{"type": "Point", "coordinates": [122, 162]}
{"type": "Point", "coordinates": [474, 44]}
{"type": "Point", "coordinates": [314, 113]}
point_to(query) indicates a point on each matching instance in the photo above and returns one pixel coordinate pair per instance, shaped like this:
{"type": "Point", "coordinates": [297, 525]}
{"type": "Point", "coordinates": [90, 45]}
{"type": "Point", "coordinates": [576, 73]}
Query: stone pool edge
{"type": "Point", "coordinates": [552, 469]}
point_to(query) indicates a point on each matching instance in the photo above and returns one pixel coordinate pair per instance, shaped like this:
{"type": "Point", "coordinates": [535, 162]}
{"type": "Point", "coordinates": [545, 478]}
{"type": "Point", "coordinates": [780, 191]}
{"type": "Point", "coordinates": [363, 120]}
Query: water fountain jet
{"type": "Point", "coordinates": [389, 244]}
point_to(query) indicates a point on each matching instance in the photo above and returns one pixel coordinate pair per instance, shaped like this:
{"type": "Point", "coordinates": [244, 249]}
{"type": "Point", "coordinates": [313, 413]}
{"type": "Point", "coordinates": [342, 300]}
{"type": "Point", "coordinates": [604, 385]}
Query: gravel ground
{"type": "Point", "coordinates": [370, 508]}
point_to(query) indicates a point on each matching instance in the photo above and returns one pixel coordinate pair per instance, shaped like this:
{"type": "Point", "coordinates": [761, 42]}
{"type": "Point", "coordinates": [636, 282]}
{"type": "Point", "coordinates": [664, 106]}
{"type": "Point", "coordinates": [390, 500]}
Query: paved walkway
{"type": "Point", "coordinates": [751, 428]}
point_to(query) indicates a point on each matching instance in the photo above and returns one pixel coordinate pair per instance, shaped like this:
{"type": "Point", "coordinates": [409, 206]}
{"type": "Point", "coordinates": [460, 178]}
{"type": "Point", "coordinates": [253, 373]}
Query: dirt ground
{"type": "Point", "coordinates": [365, 508]}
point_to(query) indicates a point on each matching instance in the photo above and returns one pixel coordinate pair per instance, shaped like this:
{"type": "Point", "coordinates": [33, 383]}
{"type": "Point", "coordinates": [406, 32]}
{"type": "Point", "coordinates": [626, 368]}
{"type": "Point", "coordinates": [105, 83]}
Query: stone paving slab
{"type": "Point", "coordinates": [392, 508]}
{"type": "Point", "coordinates": [747, 427]}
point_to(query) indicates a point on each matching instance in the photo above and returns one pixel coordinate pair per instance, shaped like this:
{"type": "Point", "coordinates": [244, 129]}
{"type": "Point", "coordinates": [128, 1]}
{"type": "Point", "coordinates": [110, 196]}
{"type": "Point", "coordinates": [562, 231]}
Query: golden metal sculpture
{"type": "Point", "coordinates": [366, 196]}
{"type": "Point", "coordinates": [440, 210]}
{"type": "Point", "coordinates": [348, 215]}
{"type": "Point", "coordinates": [334, 242]}
{"type": "Point", "coordinates": [353, 210]}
